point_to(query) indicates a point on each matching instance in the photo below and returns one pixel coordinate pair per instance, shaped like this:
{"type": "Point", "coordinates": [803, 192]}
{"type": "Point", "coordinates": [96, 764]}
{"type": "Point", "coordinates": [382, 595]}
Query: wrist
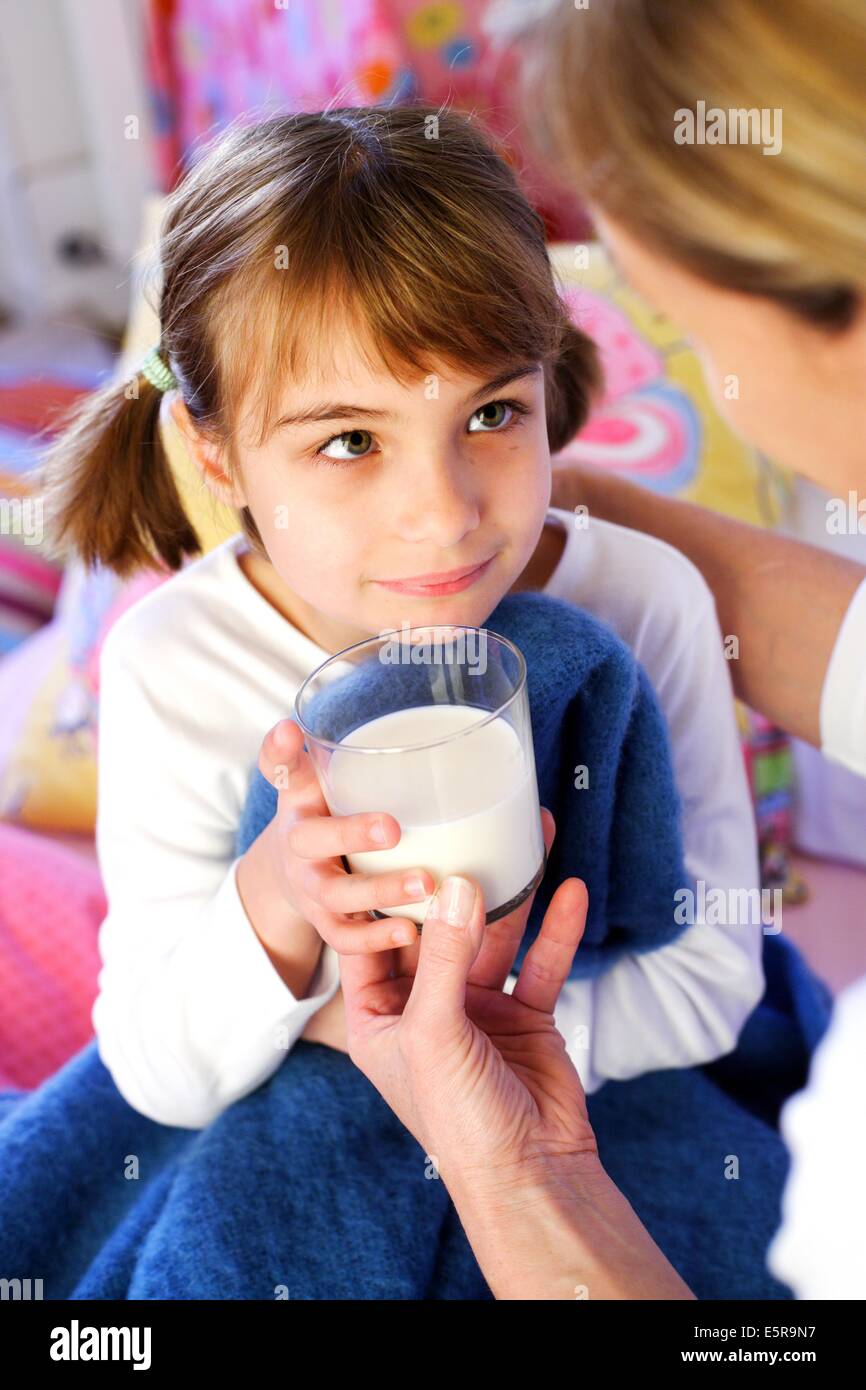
{"type": "Point", "coordinates": [561, 1229]}
{"type": "Point", "coordinates": [291, 943]}
{"type": "Point", "coordinates": [519, 1221]}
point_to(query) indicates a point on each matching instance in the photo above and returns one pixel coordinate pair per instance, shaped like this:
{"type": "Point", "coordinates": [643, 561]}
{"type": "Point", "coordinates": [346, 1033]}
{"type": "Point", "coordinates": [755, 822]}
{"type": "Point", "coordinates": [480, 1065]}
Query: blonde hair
{"type": "Point", "coordinates": [790, 226]}
{"type": "Point", "coordinates": [407, 217]}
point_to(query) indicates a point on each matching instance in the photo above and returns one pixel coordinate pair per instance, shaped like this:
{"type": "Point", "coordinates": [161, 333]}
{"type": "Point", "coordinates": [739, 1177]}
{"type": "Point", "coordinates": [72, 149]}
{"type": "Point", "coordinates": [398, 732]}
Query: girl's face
{"type": "Point", "coordinates": [787, 386]}
{"type": "Point", "coordinates": [365, 482]}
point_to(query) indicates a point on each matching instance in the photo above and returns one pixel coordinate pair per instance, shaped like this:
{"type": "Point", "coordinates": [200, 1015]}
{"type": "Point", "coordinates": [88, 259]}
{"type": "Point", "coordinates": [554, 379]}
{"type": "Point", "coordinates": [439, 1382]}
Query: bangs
{"type": "Point", "coordinates": [410, 293]}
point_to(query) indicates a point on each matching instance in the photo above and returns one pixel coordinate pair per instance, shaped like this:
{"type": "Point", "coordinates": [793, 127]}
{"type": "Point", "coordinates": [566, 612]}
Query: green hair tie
{"type": "Point", "coordinates": [155, 370]}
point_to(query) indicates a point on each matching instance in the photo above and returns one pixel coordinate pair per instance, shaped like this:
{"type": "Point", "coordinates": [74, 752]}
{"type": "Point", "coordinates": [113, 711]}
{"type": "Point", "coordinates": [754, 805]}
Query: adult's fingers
{"type": "Point", "coordinates": [448, 947]}
{"type": "Point", "coordinates": [548, 961]}
{"type": "Point", "coordinates": [502, 939]}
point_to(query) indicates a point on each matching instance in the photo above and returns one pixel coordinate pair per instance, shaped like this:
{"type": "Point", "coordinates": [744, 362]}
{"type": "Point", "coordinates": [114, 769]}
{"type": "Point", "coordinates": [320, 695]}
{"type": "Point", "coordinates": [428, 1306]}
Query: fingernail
{"type": "Point", "coordinates": [378, 832]}
{"type": "Point", "coordinates": [414, 887]}
{"type": "Point", "coordinates": [454, 901]}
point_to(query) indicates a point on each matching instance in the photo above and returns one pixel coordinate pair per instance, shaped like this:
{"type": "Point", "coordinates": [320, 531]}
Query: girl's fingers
{"type": "Point", "coordinates": [281, 745]}
{"type": "Point", "coordinates": [340, 892]}
{"type": "Point", "coordinates": [360, 935]}
{"type": "Point", "coordinates": [289, 769]}
{"type": "Point", "coordinates": [365, 936]}
{"type": "Point", "coordinates": [327, 837]}
{"type": "Point", "coordinates": [548, 961]}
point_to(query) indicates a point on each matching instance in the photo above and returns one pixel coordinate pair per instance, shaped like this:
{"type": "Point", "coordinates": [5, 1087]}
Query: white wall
{"type": "Point", "coordinates": [72, 91]}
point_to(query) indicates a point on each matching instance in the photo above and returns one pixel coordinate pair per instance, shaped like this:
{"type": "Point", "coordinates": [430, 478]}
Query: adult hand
{"type": "Point", "coordinates": [481, 1078]}
{"type": "Point", "coordinates": [483, 1081]}
{"type": "Point", "coordinates": [491, 968]}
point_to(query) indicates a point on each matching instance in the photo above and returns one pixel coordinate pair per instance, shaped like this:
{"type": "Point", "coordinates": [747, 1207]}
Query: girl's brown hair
{"type": "Point", "coordinates": [406, 217]}
{"type": "Point", "coordinates": [602, 86]}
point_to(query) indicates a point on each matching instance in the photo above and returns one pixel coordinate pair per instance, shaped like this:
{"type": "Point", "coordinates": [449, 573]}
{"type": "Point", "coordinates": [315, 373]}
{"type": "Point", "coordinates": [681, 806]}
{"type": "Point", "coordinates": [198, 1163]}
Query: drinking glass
{"type": "Point", "coordinates": [432, 725]}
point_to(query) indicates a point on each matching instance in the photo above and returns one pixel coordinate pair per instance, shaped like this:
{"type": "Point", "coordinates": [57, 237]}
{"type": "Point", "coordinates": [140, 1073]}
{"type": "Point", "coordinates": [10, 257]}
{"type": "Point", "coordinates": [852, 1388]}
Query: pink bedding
{"type": "Point", "coordinates": [51, 907]}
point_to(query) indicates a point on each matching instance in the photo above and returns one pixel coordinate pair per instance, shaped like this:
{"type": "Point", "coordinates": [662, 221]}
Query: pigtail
{"type": "Point", "coordinates": [107, 487]}
{"type": "Point", "coordinates": [574, 381]}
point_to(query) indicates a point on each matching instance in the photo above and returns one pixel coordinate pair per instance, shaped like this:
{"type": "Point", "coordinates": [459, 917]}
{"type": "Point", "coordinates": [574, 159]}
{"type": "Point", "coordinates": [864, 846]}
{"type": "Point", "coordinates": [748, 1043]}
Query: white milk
{"type": "Point", "coordinates": [469, 806]}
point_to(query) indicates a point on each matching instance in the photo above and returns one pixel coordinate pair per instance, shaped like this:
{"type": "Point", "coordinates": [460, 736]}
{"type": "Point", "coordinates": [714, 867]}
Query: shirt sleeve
{"type": "Point", "coordinates": [685, 1004]}
{"type": "Point", "coordinates": [191, 1014]}
{"type": "Point", "coordinates": [843, 699]}
{"type": "Point", "coordinates": [818, 1250]}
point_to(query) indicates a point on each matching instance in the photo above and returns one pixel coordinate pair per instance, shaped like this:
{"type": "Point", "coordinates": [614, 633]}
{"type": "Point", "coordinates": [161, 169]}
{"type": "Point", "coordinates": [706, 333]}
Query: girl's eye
{"type": "Point", "coordinates": [479, 423]}
{"type": "Point", "coordinates": [483, 418]}
{"type": "Point", "coordinates": [352, 442]}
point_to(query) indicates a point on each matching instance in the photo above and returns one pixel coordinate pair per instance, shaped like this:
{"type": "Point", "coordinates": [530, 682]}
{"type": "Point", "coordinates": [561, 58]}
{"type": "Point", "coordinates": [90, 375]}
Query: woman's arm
{"type": "Point", "coordinates": [561, 1235]}
{"type": "Point", "coordinates": [783, 600]}
{"type": "Point", "coordinates": [483, 1081]}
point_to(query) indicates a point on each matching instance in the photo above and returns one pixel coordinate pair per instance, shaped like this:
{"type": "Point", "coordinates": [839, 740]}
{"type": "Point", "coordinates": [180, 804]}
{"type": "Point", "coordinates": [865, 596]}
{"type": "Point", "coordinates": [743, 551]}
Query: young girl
{"type": "Point", "coordinates": [364, 348]}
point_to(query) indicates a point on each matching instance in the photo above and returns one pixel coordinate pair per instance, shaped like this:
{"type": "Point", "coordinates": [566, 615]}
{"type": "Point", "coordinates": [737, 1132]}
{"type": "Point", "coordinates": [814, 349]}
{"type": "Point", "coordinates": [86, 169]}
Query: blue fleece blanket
{"type": "Point", "coordinates": [309, 1187]}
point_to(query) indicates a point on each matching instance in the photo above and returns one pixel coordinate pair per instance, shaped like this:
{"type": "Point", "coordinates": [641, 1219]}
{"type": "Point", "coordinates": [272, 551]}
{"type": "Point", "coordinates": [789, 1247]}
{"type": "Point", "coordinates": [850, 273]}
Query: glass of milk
{"type": "Point", "coordinates": [432, 725]}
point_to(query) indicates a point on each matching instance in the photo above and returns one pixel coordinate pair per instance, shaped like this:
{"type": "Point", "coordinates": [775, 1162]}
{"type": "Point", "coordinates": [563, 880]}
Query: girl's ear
{"type": "Point", "coordinates": [206, 456]}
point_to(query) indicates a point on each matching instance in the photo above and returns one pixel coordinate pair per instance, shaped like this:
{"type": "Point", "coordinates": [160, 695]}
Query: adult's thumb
{"type": "Point", "coordinates": [451, 938]}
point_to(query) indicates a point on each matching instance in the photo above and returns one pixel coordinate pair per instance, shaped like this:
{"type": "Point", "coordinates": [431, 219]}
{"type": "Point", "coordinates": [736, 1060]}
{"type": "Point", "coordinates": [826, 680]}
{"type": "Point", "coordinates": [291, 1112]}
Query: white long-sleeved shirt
{"type": "Point", "coordinates": [820, 1249]}
{"type": "Point", "coordinates": [843, 698]}
{"type": "Point", "coordinates": [191, 1014]}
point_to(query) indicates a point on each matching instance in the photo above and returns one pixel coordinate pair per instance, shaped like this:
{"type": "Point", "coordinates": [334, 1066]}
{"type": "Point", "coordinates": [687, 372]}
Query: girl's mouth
{"type": "Point", "coordinates": [451, 586]}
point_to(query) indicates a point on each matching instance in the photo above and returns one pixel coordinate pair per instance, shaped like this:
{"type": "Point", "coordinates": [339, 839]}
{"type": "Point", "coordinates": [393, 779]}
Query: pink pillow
{"type": "Point", "coordinates": [51, 907]}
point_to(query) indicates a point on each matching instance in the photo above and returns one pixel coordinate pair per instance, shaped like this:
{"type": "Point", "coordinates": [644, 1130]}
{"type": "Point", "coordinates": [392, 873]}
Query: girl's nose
{"type": "Point", "coordinates": [439, 505]}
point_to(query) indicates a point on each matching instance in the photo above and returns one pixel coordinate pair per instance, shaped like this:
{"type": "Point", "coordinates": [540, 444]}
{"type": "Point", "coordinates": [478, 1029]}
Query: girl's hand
{"type": "Point", "coordinates": [481, 1078]}
{"type": "Point", "coordinates": [328, 1026]}
{"type": "Point", "coordinates": [305, 843]}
